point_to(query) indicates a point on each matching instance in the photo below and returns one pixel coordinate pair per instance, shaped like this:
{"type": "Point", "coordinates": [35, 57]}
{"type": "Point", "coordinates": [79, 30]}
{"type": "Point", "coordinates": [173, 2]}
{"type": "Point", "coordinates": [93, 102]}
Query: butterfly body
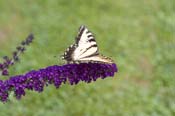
{"type": "Point", "coordinates": [85, 49]}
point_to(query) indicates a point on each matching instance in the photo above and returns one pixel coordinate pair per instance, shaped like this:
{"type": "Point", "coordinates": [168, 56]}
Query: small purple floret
{"type": "Point", "coordinates": [56, 75]}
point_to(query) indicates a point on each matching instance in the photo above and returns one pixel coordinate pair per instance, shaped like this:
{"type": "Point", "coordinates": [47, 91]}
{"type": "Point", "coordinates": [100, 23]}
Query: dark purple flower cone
{"type": "Point", "coordinates": [36, 80]}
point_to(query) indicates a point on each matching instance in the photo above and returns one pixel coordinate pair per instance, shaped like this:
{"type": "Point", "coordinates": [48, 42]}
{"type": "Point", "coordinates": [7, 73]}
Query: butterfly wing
{"type": "Point", "coordinates": [85, 49]}
{"type": "Point", "coordinates": [86, 44]}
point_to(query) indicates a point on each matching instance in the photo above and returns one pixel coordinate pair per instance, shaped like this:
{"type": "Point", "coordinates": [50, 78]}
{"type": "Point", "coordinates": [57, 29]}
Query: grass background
{"type": "Point", "coordinates": [138, 35]}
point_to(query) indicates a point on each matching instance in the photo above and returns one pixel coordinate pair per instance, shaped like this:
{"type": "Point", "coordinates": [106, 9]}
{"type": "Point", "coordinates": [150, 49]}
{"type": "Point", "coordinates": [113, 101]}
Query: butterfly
{"type": "Point", "coordinates": [85, 49]}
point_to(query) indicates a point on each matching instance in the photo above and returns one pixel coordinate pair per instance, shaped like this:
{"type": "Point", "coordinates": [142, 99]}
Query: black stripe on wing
{"type": "Point", "coordinates": [94, 53]}
{"type": "Point", "coordinates": [91, 40]}
{"type": "Point", "coordinates": [90, 36]}
{"type": "Point", "coordinates": [81, 30]}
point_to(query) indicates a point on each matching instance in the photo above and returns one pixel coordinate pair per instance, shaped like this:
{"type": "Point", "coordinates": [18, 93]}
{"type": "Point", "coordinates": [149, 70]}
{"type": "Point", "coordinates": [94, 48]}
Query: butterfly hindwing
{"type": "Point", "coordinates": [68, 53]}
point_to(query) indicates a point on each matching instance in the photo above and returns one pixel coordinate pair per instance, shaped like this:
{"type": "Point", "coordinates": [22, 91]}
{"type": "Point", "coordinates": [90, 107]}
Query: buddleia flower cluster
{"type": "Point", "coordinates": [7, 62]}
{"type": "Point", "coordinates": [36, 80]}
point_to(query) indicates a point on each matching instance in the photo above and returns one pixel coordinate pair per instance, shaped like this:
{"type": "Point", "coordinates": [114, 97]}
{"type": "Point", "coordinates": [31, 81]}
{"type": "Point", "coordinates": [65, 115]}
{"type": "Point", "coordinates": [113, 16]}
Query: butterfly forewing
{"type": "Point", "coordinates": [86, 44]}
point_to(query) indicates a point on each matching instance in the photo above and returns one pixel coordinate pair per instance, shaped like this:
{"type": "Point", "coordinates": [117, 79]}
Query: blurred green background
{"type": "Point", "coordinates": [138, 35]}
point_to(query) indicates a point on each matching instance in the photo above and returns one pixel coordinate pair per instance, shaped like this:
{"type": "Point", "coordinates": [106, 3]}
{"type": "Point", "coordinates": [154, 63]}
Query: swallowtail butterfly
{"type": "Point", "coordinates": [84, 49]}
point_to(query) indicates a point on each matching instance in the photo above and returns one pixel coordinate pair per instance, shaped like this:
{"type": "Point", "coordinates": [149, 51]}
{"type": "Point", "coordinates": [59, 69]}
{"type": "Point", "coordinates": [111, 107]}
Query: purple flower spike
{"type": "Point", "coordinates": [15, 55]}
{"type": "Point", "coordinates": [56, 75]}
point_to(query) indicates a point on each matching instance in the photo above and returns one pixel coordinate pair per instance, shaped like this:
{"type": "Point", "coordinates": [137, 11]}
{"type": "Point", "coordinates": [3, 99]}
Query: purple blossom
{"type": "Point", "coordinates": [36, 79]}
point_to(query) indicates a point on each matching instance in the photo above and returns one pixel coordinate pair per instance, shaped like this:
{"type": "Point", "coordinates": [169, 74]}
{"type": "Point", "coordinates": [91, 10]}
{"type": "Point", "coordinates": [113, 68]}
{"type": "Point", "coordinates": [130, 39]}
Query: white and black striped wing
{"type": "Point", "coordinates": [86, 44]}
{"type": "Point", "coordinates": [85, 49]}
